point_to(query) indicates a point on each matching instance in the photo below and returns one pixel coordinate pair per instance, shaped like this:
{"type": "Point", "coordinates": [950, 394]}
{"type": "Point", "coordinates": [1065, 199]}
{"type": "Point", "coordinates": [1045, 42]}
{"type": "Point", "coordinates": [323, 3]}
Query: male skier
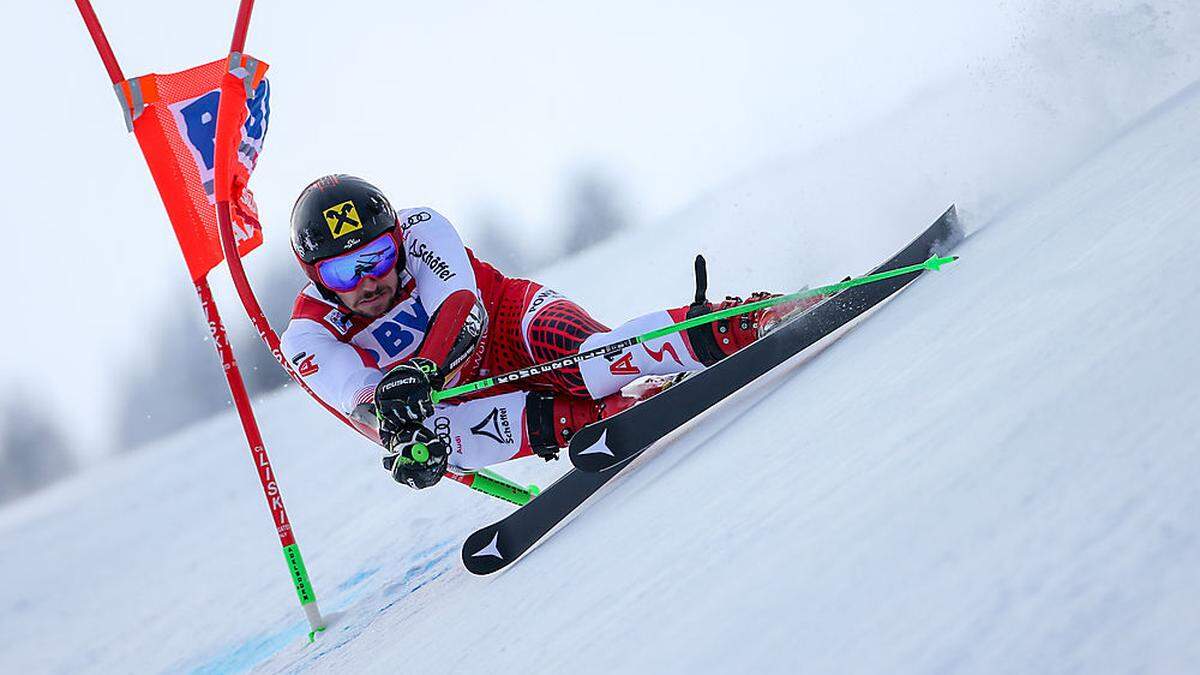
{"type": "Point", "coordinates": [399, 307]}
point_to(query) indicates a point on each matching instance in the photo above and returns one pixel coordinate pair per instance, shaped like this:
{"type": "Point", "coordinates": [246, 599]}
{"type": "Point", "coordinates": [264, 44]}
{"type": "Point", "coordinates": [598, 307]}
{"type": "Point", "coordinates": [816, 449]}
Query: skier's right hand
{"type": "Point", "coordinates": [415, 456]}
{"type": "Point", "coordinates": [405, 394]}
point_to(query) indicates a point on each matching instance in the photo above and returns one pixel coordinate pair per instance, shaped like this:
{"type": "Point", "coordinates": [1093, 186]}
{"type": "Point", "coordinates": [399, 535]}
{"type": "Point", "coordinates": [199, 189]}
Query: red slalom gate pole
{"type": "Point", "coordinates": [97, 32]}
{"type": "Point", "coordinates": [291, 550]}
{"type": "Point", "coordinates": [241, 26]}
{"type": "Point", "coordinates": [262, 463]}
{"type": "Point", "coordinates": [233, 377]}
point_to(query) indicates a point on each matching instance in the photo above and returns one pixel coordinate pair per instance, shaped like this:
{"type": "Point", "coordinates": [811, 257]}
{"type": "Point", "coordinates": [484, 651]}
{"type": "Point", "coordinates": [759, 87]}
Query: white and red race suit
{"type": "Point", "coordinates": [518, 323]}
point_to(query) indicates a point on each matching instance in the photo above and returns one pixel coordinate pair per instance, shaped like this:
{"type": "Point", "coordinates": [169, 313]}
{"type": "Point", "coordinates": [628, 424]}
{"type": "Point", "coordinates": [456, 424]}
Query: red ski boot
{"type": "Point", "coordinates": [552, 419]}
{"type": "Point", "coordinates": [712, 342]}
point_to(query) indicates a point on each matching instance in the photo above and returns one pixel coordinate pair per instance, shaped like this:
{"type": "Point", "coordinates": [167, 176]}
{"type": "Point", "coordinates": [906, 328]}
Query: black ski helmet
{"type": "Point", "coordinates": [336, 214]}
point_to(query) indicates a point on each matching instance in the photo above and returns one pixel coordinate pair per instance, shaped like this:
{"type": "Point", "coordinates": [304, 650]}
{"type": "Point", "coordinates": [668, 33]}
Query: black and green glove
{"type": "Point", "coordinates": [405, 394]}
{"type": "Point", "coordinates": [416, 456]}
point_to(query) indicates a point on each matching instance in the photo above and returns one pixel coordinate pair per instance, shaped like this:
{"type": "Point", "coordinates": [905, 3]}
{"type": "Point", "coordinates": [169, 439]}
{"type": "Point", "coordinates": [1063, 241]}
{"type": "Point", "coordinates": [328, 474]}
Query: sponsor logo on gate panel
{"type": "Point", "coordinates": [196, 119]}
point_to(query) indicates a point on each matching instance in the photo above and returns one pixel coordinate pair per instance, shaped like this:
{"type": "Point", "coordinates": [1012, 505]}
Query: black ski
{"type": "Point", "coordinates": [494, 547]}
{"type": "Point", "coordinates": [500, 544]}
{"type": "Point", "coordinates": [609, 442]}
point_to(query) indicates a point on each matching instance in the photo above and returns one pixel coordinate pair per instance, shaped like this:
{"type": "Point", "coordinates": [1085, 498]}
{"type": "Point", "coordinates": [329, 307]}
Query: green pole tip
{"type": "Point", "coordinates": [935, 263]}
{"type": "Point", "coordinates": [420, 452]}
{"type": "Point", "coordinates": [312, 634]}
{"type": "Point", "coordinates": [534, 490]}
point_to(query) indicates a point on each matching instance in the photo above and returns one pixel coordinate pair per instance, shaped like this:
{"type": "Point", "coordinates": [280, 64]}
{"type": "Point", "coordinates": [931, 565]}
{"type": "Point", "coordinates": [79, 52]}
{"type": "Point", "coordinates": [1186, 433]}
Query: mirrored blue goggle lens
{"type": "Point", "coordinates": [345, 272]}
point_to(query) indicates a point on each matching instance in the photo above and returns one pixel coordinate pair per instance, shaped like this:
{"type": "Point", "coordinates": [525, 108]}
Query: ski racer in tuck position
{"type": "Point", "coordinates": [398, 307]}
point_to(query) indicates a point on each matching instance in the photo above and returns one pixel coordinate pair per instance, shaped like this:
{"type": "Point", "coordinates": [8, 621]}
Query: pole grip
{"type": "Point", "coordinates": [701, 280]}
{"type": "Point", "coordinates": [495, 485]}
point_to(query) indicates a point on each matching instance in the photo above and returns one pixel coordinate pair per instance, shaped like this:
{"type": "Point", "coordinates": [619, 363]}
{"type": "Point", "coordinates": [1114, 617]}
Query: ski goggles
{"type": "Point", "coordinates": [373, 259]}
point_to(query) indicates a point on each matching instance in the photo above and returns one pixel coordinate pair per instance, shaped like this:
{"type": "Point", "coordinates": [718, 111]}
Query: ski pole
{"type": "Point", "coordinates": [933, 263]}
{"type": "Point", "coordinates": [495, 485]}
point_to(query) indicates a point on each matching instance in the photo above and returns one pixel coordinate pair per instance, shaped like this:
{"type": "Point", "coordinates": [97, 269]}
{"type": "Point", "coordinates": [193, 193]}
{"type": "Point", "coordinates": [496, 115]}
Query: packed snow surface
{"type": "Point", "coordinates": [996, 472]}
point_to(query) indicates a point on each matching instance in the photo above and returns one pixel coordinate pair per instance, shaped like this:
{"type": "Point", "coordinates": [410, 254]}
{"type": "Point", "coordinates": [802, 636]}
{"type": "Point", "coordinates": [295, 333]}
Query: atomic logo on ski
{"type": "Point", "coordinates": [492, 549]}
{"type": "Point", "coordinates": [599, 447]}
{"type": "Point", "coordinates": [624, 366]}
{"type": "Point", "coordinates": [661, 354]}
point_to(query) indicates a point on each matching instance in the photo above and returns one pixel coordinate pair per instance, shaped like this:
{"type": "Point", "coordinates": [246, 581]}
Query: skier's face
{"type": "Point", "coordinates": [373, 296]}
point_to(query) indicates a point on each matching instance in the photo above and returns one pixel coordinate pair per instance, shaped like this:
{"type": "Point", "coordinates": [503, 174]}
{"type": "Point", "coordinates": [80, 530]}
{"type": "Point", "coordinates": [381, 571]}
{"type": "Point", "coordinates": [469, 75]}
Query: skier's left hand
{"type": "Point", "coordinates": [405, 395]}
{"type": "Point", "coordinates": [416, 457]}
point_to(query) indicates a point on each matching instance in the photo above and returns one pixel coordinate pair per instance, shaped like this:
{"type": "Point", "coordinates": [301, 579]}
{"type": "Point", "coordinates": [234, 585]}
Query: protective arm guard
{"type": "Point", "coordinates": [455, 332]}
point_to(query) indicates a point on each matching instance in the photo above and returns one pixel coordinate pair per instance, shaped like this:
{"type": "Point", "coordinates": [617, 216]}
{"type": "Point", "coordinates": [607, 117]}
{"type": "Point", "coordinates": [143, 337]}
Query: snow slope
{"type": "Point", "coordinates": [994, 473]}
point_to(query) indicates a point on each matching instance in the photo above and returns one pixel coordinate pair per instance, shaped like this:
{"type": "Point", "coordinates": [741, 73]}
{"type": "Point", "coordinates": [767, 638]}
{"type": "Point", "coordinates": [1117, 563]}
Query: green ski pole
{"type": "Point", "coordinates": [495, 485]}
{"type": "Point", "coordinates": [933, 263]}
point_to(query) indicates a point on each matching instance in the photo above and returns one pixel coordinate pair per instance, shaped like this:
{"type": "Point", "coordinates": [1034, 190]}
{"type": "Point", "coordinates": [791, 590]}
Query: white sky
{"type": "Point", "coordinates": [457, 105]}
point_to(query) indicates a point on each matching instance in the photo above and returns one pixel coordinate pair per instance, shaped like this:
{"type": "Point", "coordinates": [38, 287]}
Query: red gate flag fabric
{"type": "Point", "coordinates": [175, 120]}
